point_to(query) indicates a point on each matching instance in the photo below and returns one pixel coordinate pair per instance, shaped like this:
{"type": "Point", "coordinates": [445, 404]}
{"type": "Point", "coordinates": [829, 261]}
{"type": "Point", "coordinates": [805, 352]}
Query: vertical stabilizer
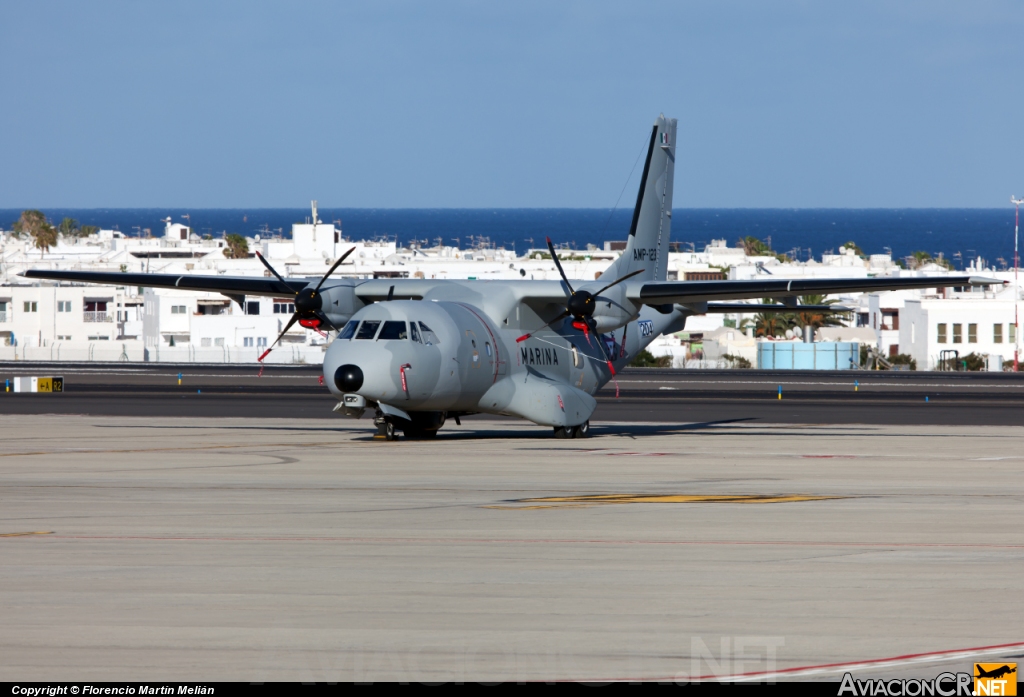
{"type": "Point", "coordinates": [647, 245]}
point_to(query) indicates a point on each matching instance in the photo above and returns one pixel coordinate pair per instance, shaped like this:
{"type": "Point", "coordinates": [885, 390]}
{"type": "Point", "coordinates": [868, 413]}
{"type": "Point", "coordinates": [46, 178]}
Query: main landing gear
{"type": "Point", "coordinates": [581, 431]}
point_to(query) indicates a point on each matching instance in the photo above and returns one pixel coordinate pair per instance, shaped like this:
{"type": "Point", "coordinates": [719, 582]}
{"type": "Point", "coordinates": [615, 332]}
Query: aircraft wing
{"type": "Point", "coordinates": [689, 292]}
{"type": "Point", "coordinates": [228, 285]}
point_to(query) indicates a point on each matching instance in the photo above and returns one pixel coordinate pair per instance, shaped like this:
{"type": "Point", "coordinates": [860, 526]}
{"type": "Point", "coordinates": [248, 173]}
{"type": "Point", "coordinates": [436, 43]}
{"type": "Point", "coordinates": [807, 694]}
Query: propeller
{"type": "Point", "coordinates": [580, 305]}
{"type": "Point", "coordinates": [308, 302]}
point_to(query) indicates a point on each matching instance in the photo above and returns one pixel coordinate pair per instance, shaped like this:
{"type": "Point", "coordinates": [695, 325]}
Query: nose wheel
{"type": "Point", "coordinates": [386, 430]}
{"type": "Point", "coordinates": [581, 431]}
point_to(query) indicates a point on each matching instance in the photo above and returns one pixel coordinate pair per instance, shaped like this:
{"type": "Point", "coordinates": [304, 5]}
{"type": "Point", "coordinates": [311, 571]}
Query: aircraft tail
{"type": "Point", "coordinates": [647, 245]}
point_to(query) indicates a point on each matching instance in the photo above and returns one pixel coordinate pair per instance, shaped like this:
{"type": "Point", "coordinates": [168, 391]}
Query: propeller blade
{"type": "Point", "coordinates": [607, 356]}
{"type": "Point", "coordinates": [524, 337]}
{"type": "Point", "coordinates": [293, 320]}
{"type": "Point", "coordinates": [616, 282]}
{"type": "Point", "coordinates": [271, 268]}
{"type": "Point", "coordinates": [551, 248]}
{"type": "Point", "coordinates": [336, 265]}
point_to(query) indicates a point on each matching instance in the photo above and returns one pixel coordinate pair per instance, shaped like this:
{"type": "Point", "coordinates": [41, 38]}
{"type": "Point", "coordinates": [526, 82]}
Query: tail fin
{"type": "Point", "coordinates": [647, 246]}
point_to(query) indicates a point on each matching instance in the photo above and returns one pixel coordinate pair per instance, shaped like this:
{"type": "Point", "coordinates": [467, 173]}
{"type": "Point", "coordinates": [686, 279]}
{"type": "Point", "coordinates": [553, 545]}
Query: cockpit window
{"type": "Point", "coordinates": [415, 332]}
{"type": "Point", "coordinates": [393, 330]}
{"type": "Point", "coordinates": [350, 329]}
{"type": "Point", "coordinates": [368, 329]}
{"type": "Point", "coordinates": [429, 337]}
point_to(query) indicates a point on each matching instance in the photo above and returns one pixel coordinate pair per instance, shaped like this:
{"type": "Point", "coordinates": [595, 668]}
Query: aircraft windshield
{"type": "Point", "coordinates": [429, 337]}
{"type": "Point", "coordinates": [350, 329]}
{"type": "Point", "coordinates": [393, 330]}
{"type": "Point", "coordinates": [415, 332]}
{"type": "Point", "coordinates": [368, 329]}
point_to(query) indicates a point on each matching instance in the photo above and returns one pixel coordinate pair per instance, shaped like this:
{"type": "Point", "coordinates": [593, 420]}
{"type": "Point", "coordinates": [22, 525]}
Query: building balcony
{"type": "Point", "coordinates": [96, 317]}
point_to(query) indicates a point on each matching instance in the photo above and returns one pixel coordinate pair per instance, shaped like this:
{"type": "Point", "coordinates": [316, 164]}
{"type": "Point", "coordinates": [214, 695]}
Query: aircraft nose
{"type": "Point", "coordinates": [348, 378]}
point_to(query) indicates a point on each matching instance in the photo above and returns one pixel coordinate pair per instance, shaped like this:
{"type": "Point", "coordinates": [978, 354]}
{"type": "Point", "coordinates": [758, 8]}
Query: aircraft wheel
{"type": "Point", "coordinates": [565, 431]}
{"type": "Point", "coordinates": [583, 430]}
{"type": "Point", "coordinates": [389, 431]}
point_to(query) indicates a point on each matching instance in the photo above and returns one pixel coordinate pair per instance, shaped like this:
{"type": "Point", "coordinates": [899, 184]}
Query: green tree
{"type": "Point", "coordinates": [769, 324]}
{"type": "Point", "coordinates": [34, 224]}
{"type": "Point", "coordinates": [87, 230]}
{"type": "Point", "coordinates": [68, 227]}
{"type": "Point", "coordinates": [817, 318]}
{"type": "Point", "coordinates": [238, 246]}
{"type": "Point", "coordinates": [856, 249]}
{"type": "Point", "coordinates": [645, 359]}
{"type": "Point", "coordinates": [903, 359]}
{"type": "Point", "coordinates": [753, 247]}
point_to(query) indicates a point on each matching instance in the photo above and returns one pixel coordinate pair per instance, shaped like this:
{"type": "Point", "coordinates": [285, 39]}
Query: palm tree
{"type": "Point", "coordinates": [238, 246]}
{"type": "Point", "coordinates": [769, 324]}
{"type": "Point", "coordinates": [817, 318]}
{"type": "Point", "coordinates": [68, 227]}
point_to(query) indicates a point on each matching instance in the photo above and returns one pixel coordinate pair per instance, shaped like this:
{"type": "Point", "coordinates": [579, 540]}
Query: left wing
{"type": "Point", "coordinates": [689, 292]}
{"type": "Point", "coordinates": [229, 285]}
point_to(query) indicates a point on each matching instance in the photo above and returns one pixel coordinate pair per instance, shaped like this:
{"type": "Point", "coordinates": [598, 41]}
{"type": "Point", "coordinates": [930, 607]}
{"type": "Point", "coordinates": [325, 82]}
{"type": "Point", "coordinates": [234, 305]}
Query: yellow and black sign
{"type": "Point", "coordinates": [995, 679]}
{"type": "Point", "coordinates": [54, 384]}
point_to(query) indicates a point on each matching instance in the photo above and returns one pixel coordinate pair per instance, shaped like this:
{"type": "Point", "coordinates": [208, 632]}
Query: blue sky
{"type": "Point", "coordinates": [526, 104]}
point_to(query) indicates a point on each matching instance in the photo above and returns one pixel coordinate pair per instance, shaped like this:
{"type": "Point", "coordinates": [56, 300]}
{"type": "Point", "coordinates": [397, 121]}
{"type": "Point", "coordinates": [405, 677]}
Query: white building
{"type": "Point", "coordinates": [929, 327]}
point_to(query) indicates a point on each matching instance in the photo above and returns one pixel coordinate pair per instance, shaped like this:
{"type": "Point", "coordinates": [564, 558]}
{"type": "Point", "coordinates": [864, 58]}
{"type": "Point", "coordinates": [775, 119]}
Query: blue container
{"type": "Point", "coordinates": [791, 355]}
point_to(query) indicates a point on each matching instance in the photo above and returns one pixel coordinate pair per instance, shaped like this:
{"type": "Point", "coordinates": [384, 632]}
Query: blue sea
{"type": "Point", "coordinates": [959, 234]}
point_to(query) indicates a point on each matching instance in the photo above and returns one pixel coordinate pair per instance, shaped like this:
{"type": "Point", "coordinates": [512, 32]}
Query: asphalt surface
{"type": "Point", "coordinates": [193, 549]}
{"type": "Point", "coordinates": [644, 396]}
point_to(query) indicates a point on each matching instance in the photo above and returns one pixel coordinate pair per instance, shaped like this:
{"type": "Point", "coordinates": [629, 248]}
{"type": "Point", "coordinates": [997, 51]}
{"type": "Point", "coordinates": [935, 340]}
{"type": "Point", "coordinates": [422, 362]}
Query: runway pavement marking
{"type": "Point", "coordinates": [72, 451]}
{"type": "Point", "coordinates": [23, 534]}
{"type": "Point", "coordinates": [826, 668]}
{"type": "Point", "coordinates": [605, 499]}
{"type": "Point", "coordinates": [551, 541]}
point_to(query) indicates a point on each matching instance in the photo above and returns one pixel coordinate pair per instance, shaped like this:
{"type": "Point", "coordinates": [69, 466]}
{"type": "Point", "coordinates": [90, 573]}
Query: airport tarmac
{"type": "Point", "coordinates": [169, 548]}
{"type": "Point", "coordinates": [644, 395]}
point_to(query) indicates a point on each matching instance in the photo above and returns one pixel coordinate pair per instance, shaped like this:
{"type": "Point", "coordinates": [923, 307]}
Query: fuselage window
{"type": "Point", "coordinates": [368, 329]}
{"type": "Point", "coordinates": [577, 359]}
{"type": "Point", "coordinates": [487, 345]}
{"type": "Point", "coordinates": [429, 337]}
{"type": "Point", "coordinates": [393, 330]}
{"type": "Point", "coordinates": [415, 332]}
{"type": "Point", "coordinates": [350, 329]}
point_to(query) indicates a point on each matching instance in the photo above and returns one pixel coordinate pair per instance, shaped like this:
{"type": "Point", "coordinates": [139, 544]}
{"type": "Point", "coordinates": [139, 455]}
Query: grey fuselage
{"type": "Point", "coordinates": [473, 362]}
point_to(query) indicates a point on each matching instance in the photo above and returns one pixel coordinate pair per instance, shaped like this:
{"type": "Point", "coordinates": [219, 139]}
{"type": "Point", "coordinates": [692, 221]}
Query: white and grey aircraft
{"type": "Point", "coordinates": [418, 352]}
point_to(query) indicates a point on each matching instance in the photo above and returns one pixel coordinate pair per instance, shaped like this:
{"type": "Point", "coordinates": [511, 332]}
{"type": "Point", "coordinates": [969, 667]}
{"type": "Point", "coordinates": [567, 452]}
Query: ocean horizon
{"type": "Point", "coordinates": [959, 234]}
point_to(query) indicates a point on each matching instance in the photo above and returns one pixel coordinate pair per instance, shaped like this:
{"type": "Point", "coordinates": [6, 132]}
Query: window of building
{"type": "Point", "coordinates": [99, 338]}
{"type": "Point", "coordinates": [958, 333]}
{"type": "Point", "coordinates": [63, 306]}
{"type": "Point", "coordinates": [261, 342]}
{"type": "Point", "coordinates": [283, 307]}
{"type": "Point", "coordinates": [1012, 331]}
{"type": "Point", "coordinates": [252, 307]}
{"type": "Point", "coordinates": [941, 338]}
{"type": "Point", "coordinates": [997, 333]}
{"type": "Point", "coordinates": [219, 341]}
{"type": "Point", "coordinates": [178, 309]}
{"type": "Point", "coordinates": [206, 342]}
{"type": "Point", "coordinates": [63, 337]}
{"type": "Point", "coordinates": [972, 333]}
{"type": "Point", "coordinates": [31, 307]}
{"type": "Point", "coordinates": [247, 342]}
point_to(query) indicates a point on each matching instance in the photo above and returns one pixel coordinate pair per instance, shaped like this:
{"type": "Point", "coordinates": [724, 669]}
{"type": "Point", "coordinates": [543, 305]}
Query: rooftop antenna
{"type": "Point", "coordinates": [1016, 286]}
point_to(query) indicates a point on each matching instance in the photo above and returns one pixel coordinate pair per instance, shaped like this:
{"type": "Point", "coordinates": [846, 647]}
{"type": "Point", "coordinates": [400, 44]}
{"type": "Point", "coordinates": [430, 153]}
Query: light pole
{"type": "Point", "coordinates": [1016, 287]}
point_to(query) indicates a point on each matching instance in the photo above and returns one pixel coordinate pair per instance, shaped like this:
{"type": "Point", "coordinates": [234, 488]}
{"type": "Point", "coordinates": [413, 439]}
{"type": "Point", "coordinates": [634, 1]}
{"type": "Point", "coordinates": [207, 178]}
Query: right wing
{"type": "Point", "coordinates": [688, 292]}
{"type": "Point", "coordinates": [228, 285]}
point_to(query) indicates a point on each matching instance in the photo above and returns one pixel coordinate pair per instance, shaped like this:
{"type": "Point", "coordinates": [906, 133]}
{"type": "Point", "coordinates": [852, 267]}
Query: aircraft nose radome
{"type": "Point", "coordinates": [348, 378]}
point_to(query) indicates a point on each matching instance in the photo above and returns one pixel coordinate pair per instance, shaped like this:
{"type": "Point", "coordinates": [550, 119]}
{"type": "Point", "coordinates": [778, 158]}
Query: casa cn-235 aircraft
{"type": "Point", "coordinates": [420, 351]}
